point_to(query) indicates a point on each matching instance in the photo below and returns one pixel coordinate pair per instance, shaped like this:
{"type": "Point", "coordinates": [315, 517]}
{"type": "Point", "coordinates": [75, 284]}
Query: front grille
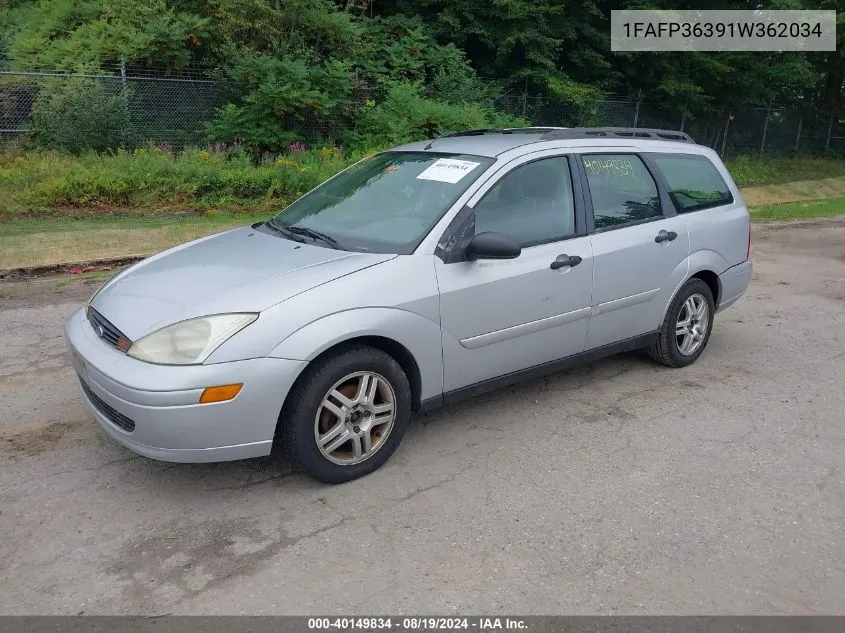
{"type": "Point", "coordinates": [114, 416]}
{"type": "Point", "coordinates": [108, 332]}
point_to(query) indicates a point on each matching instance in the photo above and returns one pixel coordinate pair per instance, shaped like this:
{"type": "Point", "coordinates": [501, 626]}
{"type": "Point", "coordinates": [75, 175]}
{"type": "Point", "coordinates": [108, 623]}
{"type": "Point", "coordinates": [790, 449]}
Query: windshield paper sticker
{"type": "Point", "coordinates": [448, 170]}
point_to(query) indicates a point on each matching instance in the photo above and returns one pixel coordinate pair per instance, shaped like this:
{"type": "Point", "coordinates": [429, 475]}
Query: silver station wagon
{"type": "Point", "coordinates": [418, 276]}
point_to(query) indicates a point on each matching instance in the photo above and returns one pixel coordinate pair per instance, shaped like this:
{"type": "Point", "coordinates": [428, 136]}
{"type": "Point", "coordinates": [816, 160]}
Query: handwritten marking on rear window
{"type": "Point", "coordinates": [620, 167]}
{"type": "Point", "coordinates": [447, 170]}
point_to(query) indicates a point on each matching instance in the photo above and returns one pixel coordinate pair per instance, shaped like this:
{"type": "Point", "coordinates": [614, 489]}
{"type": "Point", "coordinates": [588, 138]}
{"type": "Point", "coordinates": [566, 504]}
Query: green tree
{"type": "Point", "coordinates": [407, 115]}
{"type": "Point", "coordinates": [281, 99]}
{"type": "Point", "coordinates": [76, 36]}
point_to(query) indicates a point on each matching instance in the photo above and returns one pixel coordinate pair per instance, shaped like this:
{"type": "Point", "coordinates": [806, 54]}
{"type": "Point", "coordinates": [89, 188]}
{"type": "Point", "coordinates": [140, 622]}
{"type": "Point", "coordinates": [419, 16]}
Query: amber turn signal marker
{"type": "Point", "coordinates": [220, 394]}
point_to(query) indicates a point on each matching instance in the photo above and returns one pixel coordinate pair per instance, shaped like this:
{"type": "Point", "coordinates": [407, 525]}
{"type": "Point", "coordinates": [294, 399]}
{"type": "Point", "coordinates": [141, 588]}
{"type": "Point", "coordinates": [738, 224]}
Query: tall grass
{"type": "Point", "coordinates": [750, 171]}
{"type": "Point", "coordinates": [153, 180]}
{"type": "Point", "coordinates": [800, 210]}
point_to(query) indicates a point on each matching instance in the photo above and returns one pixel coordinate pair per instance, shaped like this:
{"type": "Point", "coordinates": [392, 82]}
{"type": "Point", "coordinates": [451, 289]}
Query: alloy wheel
{"type": "Point", "coordinates": [354, 418]}
{"type": "Point", "coordinates": [693, 321]}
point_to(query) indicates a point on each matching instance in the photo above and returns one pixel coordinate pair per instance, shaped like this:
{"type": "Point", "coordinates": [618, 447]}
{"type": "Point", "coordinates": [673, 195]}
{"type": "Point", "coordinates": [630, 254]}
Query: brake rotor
{"type": "Point", "coordinates": [326, 417]}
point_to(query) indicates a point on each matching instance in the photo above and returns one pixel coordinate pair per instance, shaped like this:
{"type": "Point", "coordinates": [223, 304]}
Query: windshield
{"type": "Point", "coordinates": [387, 203]}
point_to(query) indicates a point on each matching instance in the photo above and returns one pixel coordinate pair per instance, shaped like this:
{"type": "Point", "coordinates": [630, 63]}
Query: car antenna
{"type": "Point", "coordinates": [431, 129]}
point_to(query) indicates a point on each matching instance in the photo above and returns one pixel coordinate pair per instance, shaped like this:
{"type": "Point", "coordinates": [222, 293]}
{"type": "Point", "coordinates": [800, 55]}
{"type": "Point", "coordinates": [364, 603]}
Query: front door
{"type": "Point", "coordinates": [501, 316]}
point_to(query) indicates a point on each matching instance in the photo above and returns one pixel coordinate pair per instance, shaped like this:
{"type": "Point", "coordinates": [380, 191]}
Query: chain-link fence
{"type": "Point", "coordinates": [771, 130]}
{"type": "Point", "coordinates": [119, 110]}
{"type": "Point", "coordinates": [128, 110]}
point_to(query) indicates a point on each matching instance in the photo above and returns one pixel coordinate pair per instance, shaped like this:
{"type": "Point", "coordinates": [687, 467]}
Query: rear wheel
{"type": "Point", "coordinates": [347, 414]}
{"type": "Point", "coordinates": [686, 329]}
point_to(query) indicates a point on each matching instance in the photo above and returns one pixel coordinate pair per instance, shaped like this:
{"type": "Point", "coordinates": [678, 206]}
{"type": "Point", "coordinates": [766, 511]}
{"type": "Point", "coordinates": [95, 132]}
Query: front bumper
{"type": "Point", "coordinates": [153, 409]}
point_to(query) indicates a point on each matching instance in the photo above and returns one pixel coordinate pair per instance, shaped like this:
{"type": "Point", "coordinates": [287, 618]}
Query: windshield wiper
{"type": "Point", "coordinates": [291, 235]}
{"type": "Point", "coordinates": [316, 235]}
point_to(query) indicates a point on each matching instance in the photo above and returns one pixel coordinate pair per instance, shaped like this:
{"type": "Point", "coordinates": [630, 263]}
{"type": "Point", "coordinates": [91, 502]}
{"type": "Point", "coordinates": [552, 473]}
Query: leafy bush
{"type": "Point", "coordinates": [79, 115]}
{"type": "Point", "coordinates": [406, 115]}
{"type": "Point", "coordinates": [282, 98]}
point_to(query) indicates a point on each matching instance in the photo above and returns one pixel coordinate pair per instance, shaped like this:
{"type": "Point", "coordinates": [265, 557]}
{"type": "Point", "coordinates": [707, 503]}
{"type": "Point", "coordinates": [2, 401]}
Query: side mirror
{"type": "Point", "coordinates": [490, 245]}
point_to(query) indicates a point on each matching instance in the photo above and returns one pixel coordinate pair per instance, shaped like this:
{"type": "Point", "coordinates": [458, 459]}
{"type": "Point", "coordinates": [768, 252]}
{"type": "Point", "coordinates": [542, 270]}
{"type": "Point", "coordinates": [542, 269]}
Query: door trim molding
{"type": "Point", "coordinates": [492, 384]}
{"type": "Point", "coordinates": [624, 302]}
{"type": "Point", "coordinates": [497, 336]}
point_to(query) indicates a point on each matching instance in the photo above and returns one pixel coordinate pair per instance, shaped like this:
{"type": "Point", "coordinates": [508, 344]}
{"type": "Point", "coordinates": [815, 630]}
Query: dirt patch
{"type": "Point", "coordinates": [102, 265]}
{"type": "Point", "coordinates": [823, 237]}
{"type": "Point", "coordinates": [103, 209]}
{"type": "Point", "coordinates": [178, 206]}
{"type": "Point", "coordinates": [34, 441]}
{"type": "Point", "coordinates": [59, 288]}
{"type": "Point", "coordinates": [818, 223]}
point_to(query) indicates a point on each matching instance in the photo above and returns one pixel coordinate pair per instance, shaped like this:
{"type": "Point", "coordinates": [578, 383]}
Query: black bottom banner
{"type": "Point", "coordinates": [422, 623]}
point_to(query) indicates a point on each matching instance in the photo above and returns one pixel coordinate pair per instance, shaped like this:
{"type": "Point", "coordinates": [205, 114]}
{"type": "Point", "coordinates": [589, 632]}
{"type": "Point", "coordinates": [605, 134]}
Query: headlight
{"type": "Point", "coordinates": [189, 342]}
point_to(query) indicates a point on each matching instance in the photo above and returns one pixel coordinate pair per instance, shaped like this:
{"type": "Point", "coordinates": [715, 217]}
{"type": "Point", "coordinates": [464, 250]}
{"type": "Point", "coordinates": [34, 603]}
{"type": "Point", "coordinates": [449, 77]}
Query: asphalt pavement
{"type": "Point", "coordinates": [618, 488]}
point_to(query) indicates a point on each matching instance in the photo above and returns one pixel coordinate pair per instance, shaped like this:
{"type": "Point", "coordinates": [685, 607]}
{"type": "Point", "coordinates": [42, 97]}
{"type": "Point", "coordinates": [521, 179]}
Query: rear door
{"type": "Point", "coordinates": [640, 246]}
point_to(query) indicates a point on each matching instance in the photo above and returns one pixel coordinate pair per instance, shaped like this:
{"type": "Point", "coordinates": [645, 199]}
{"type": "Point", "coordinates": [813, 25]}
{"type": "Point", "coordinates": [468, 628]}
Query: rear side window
{"type": "Point", "coordinates": [693, 181]}
{"type": "Point", "coordinates": [621, 189]}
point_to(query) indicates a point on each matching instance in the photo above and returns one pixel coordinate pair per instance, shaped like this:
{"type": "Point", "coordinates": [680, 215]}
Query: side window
{"type": "Point", "coordinates": [621, 189]}
{"type": "Point", "coordinates": [532, 203]}
{"type": "Point", "coordinates": [693, 181]}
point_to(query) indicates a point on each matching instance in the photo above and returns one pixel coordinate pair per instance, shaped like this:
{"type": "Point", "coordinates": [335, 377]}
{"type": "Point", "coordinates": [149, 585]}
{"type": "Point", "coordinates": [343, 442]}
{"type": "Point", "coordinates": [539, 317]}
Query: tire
{"type": "Point", "coordinates": [317, 400]}
{"type": "Point", "coordinates": [668, 349]}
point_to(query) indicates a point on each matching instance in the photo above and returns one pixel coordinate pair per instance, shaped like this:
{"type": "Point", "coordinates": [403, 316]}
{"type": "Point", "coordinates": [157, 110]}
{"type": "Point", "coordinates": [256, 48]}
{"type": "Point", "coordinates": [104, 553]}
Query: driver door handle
{"type": "Point", "coordinates": [565, 260]}
{"type": "Point", "coordinates": [665, 236]}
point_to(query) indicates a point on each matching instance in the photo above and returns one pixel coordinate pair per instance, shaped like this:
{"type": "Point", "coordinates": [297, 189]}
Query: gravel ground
{"type": "Point", "coordinates": [621, 487]}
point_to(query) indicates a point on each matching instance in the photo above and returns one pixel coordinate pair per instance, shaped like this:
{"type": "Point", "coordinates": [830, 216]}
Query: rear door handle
{"type": "Point", "coordinates": [665, 236]}
{"type": "Point", "coordinates": [565, 260]}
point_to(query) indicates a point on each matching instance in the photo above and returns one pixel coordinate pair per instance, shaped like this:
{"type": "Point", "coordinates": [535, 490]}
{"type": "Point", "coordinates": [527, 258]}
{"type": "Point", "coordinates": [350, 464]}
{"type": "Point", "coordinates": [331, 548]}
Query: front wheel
{"type": "Point", "coordinates": [686, 329]}
{"type": "Point", "coordinates": [347, 414]}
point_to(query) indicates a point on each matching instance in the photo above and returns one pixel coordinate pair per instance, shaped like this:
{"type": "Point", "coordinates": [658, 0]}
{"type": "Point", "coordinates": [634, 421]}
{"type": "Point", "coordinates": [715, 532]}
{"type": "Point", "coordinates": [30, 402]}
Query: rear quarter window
{"type": "Point", "coordinates": [693, 181]}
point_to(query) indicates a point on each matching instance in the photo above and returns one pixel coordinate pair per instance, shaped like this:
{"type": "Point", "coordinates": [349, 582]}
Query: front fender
{"type": "Point", "coordinates": [419, 335]}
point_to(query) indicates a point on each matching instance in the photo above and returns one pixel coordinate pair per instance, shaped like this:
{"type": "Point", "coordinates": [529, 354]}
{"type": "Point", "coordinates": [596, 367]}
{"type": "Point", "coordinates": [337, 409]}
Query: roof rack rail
{"type": "Point", "coordinates": [620, 132]}
{"type": "Point", "coordinates": [504, 130]}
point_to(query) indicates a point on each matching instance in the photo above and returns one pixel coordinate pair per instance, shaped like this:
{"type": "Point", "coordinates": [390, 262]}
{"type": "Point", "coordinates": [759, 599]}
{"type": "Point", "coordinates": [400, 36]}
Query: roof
{"type": "Point", "coordinates": [492, 143]}
{"type": "Point", "coordinates": [488, 145]}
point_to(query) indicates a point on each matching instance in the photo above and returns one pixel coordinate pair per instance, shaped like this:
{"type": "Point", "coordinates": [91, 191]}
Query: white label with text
{"type": "Point", "coordinates": [448, 170]}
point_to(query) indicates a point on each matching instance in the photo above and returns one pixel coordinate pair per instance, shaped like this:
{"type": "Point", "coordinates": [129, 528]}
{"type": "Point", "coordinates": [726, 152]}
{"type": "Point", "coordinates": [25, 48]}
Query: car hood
{"type": "Point", "coordinates": [243, 270]}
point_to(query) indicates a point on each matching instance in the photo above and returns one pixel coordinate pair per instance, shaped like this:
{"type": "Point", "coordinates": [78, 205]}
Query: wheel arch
{"type": "Point", "coordinates": [702, 265]}
{"type": "Point", "coordinates": [412, 340]}
{"type": "Point", "coordinates": [707, 265]}
{"type": "Point", "coordinates": [713, 282]}
{"type": "Point", "coordinates": [392, 348]}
